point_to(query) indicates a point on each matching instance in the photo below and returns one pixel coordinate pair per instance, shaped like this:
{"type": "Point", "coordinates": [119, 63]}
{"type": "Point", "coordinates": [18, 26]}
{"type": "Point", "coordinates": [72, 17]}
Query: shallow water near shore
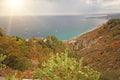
{"type": "Point", "coordinates": [64, 27]}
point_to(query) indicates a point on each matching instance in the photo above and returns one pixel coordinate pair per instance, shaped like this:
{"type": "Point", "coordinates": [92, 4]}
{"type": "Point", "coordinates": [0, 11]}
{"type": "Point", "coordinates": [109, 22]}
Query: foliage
{"type": "Point", "coordinates": [18, 63]}
{"type": "Point", "coordinates": [2, 57]}
{"type": "Point", "coordinates": [8, 46]}
{"type": "Point", "coordinates": [16, 51]}
{"type": "Point", "coordinates": [114, 24]}
{"type": "Point", "coordinates": [10, 76]}
{"type": "Point", "coordinates": [52, 43]}
{"type": "Point", "coordinates": [22, 45]}
{"type": "Point", "coordinates": [115, 31]}
{"type": "Point", "coordinates": [42, 47]}
{"type": "Point", "coordinates": [62, 67]}
{"type": "Point", "coordinates": [72, 53]}
{"type": "Point", "coordinates": [114, 21]}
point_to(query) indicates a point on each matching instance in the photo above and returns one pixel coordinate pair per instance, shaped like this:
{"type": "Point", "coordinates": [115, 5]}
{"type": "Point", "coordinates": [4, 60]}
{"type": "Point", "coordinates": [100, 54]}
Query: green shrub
{"type": "Point", "coordinates": [52, 43]}
{"type": "Point", "coordinates": [2, 57]}
{"type": "Point", "coordinates": [62, 67]}
{"type": "Point", "coordinates": [10, 76]}
{"type": "Point", "coordinates": [23, 47]}
{"type": "Point", "coordinates": [17, 63]}
{"type": "Point", "coordinates": [112, 22]}
{"type": "Point", "coordinates": [115, 33]}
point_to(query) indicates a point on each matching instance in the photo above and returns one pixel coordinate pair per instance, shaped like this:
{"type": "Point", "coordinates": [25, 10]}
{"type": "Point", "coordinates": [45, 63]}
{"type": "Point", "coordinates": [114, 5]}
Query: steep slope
{"type": "Point", "coordinates": [100, 47]}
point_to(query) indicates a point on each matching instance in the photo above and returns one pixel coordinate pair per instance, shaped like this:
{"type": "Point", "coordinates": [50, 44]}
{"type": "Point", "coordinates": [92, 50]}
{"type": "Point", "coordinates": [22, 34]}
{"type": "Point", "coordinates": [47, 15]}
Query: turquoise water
{"type": "Point", "coordinates": [64, 27]}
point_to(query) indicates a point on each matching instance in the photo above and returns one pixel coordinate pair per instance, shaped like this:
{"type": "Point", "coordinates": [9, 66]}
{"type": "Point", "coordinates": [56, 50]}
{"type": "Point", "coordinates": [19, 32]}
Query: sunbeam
{"type": "Point", "coordinates": [14, 6]}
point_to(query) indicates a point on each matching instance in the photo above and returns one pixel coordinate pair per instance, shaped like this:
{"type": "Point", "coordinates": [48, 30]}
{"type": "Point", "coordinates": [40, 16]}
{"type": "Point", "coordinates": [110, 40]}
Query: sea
{"type": "Point", "coordinates": [64, 27]}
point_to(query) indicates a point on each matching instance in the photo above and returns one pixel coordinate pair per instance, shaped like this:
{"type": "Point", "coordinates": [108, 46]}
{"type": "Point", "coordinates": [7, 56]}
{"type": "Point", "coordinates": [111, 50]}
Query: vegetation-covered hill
{"type": "Point", "coordinates": [100, 47]}
{"type": "Point", "coordinates": [25, 55]}
{"type": "Point", "coordinates": [42, 58]}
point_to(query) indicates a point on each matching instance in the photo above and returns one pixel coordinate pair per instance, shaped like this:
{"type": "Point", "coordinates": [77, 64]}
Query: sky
{"type": "Point", "coordinates": [59, 7]}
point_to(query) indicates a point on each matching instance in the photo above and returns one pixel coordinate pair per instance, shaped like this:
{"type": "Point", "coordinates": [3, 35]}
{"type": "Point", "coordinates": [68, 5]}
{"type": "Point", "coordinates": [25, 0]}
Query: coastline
{"type": "Point", "coordinates": [84, 33]}
{"type": "Point", "coordinates": [73, 38]}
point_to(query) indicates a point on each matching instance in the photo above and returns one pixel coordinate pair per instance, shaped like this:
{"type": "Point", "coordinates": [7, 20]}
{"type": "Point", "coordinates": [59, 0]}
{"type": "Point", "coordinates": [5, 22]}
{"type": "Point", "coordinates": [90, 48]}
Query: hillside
{"type": "Point", "coordinates": [41, 58]}
{"type": "Point", "coordinates": [100, 47]}
{"type": "Point", "coordinates": [25, 55]}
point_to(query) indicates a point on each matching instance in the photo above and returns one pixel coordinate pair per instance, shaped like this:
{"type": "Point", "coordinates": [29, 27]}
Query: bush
{"type": "Point", "coordinates": [115, 31]}
{"type": "Point", "coordinates": [17, 63]}
{"type": "Point", "coordinates": [10, 76]}
{"type": "Point", "coordinates": [53, 43]}
{"type": "Point", "coordinates": [112, 22]}
{"type": "Point", "coordinates": [62, 67]}
{"type": "Point", "coordinates": [23, 47]}
{"type": "Point", "coordinates": [2, 57]}
{"type": "Point", "coordinates": [8, 46]}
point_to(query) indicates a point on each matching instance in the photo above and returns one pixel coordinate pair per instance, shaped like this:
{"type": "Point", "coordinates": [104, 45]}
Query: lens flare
{"type": "Point", "coordinates": [14, 6]}
{"type": "Point", "coordinates": [14, 3]}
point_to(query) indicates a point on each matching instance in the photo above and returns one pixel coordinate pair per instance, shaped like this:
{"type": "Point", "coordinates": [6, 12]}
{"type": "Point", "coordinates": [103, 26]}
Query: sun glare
{"type": "Point", "coordinates": [14, 3]}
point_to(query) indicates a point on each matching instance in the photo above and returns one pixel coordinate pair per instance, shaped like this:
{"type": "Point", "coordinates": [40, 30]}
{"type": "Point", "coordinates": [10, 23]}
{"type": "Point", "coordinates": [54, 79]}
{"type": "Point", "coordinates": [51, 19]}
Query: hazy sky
{"type": "Point", "coordinates": [59, 7]}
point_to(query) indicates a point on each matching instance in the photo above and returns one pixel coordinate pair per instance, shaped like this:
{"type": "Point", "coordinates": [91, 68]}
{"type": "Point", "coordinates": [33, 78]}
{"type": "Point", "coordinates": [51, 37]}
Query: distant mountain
{"type": "Point", "coordinates": [115, 15]}
{"type": "Point", "coordinates": [104, 16]}
{"type": "Point", "coordinates": [100, 47]}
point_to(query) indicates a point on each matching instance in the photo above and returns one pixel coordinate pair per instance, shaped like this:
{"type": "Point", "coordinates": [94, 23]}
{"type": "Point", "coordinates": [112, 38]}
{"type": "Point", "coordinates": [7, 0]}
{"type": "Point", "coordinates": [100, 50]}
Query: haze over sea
{"type": "Point", "coordinates": [64, 27]}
